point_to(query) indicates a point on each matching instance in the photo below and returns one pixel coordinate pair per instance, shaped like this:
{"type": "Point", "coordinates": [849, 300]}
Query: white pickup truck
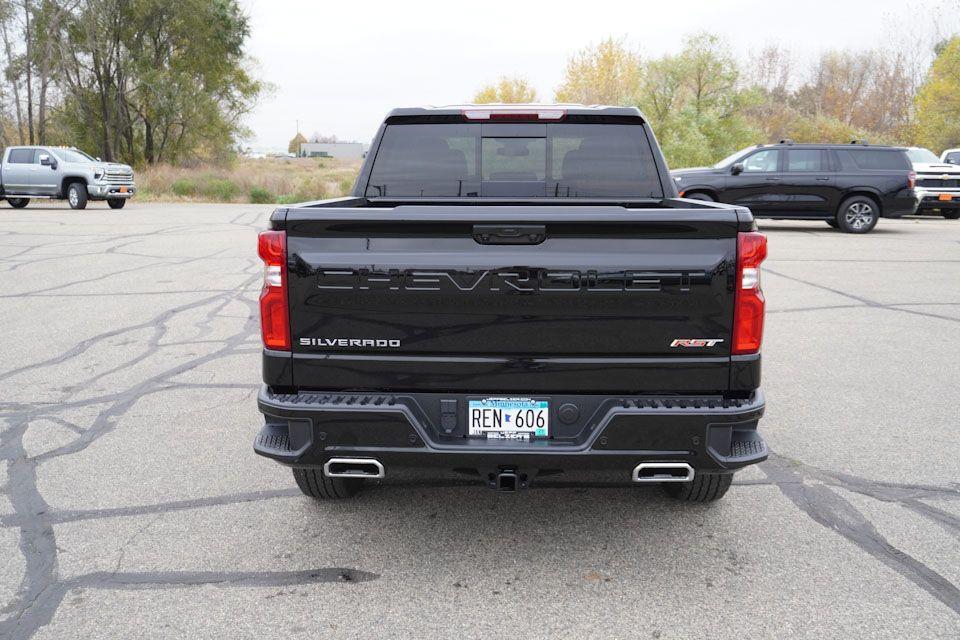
{"type": "Point", "coordinates": [61, 173]}
{"type": "Point", "coordinates": [938, 184]}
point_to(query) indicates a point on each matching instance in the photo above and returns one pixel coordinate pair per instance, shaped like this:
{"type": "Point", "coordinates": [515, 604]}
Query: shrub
{"type": "Point", "coordinates": [312, 187]}
{"type": "Point", "coordinates": [259, 195]}
{"type": "Point", "coordinates": [183, 187]}
{"type": "Point", "coordinates": [220, 189]}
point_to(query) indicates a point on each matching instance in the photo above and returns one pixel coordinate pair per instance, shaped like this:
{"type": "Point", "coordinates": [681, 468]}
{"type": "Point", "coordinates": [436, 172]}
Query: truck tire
{"type": "Point", "coordinates": [116, 203]}
{"type": "Point", "coordinates": [18, 203]}
{"type": "Point", "coordinates": [313, 483]}
{"type": "Point", "coordinates": [77, 195]}
{"type": "Point", "coordinates": [953, 214]}
{"type": "Point", "coordinates": [858, 214]}
{"type": "Point", "coordinates": [705, 487]}
{"type": "Point", "coordinates": [699, 195]}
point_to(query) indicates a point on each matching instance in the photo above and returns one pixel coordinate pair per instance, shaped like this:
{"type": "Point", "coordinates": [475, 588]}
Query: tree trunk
{"type": "Point", "coordinates": [148, 141]}
{"type": "Point", "coordinates": [29, 66]}
{"type": "Point", "coordinates": [16, 86]}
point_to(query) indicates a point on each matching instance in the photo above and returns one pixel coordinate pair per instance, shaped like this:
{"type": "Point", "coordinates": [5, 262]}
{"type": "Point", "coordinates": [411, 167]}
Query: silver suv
{"type": "Point", "coordinates": [64, 174]}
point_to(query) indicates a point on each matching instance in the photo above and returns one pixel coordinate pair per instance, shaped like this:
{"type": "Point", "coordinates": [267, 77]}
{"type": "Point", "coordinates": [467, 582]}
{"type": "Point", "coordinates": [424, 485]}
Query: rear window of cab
{"type": "Point", "coordinates": [557, 160]}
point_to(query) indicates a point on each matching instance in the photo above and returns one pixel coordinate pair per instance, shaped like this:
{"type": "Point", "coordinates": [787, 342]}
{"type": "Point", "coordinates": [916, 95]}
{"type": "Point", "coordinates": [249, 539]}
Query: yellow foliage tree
{"type": "Point", "coordinates": [938, 101]}
{"type": "Point", "coordinates": [608, 73]}
{"type": "Point", "coordinates": [512, 89]}
{"type": "Point", "coordinates": [294, 146]}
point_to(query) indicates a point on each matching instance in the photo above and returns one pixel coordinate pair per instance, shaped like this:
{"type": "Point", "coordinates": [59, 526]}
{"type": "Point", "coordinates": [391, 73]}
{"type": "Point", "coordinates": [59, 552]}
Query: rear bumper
{"type": "Point", "coordinates": [901, 204]}
{"type": "Point", "coordinates": [429, 431]}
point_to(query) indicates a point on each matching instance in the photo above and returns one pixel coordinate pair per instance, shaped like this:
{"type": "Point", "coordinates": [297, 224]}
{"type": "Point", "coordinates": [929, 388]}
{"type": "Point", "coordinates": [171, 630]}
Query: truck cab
{"type": "Point", "coordinates": [62, 173]}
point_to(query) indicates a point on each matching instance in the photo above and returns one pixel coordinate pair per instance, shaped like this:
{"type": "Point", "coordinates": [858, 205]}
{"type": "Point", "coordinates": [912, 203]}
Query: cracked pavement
{"type": "Point", "coordinates": [132, 505]}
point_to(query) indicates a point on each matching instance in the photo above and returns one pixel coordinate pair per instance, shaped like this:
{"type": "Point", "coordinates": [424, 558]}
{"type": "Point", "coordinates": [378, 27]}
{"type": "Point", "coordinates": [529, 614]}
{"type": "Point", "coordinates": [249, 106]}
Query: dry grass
{"type": "Point", "coordinates": [270, 180]}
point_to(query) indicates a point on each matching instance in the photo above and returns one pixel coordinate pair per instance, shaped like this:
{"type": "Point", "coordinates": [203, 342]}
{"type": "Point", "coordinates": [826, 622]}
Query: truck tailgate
{"type": "Point", "coordinates": [508, 299]}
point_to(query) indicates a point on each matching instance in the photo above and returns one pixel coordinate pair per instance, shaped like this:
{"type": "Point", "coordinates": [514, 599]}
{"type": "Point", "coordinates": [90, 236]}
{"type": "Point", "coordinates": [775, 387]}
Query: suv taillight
{"type": "Point", "coordinates": [274, 320]}
{"type": "Point", "coordinates": [912, 180]}
{"type": "Point", "coordinates": [748, 298]}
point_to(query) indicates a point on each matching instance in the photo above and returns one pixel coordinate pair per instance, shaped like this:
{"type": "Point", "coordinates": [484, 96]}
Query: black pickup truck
{"type": "Point", "coordinates": [513, 293]}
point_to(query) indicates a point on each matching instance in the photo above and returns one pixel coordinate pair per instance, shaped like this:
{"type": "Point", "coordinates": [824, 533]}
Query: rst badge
{"type": "Point", "coordinates": [688, 343]}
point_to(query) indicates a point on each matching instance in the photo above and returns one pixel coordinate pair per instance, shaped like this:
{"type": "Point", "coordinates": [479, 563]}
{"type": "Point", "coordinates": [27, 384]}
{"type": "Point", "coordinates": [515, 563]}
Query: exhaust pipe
{"type": "Point", "coordinates": [663, 472]}
{"type": "Point", "coordinates": [353, 468]}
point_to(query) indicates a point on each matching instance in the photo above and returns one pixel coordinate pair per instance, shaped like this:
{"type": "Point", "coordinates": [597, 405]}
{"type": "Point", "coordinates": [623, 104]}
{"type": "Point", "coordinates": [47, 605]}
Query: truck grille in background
{"type": "Point", "coordinates": [118, 177]}
{"type": "Point", "coordinates": [938, 183]}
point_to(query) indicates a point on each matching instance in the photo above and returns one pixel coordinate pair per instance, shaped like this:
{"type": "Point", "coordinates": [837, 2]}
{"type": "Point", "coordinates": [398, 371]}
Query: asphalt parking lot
{"type": "Point", "coordinates": [132, 505]}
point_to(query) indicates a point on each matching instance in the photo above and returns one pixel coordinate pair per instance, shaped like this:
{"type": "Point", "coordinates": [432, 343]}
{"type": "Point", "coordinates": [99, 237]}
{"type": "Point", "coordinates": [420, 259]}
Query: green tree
{"type": "Point", "coordinates": [608, 73]}
{"type": "Point", "coordinates": [938, 100]}
{"type": "Point", "coordinates": [512, 89]}
{"type": "Point", "coordinates": [694, 102]}
{"type": "Point", "coordinates": [151, 80]}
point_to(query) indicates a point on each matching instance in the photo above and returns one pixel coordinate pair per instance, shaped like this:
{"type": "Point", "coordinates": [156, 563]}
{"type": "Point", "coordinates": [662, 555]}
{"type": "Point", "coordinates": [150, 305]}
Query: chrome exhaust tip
{"type": "Point", "coordinates": [353, 468]}
{"type": "Point", "coordinates": [663, 472]}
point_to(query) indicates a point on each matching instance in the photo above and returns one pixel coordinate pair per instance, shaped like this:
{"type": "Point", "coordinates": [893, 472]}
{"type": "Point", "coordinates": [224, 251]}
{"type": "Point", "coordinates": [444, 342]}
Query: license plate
{"type": "Point", "coordinates": [123, 189]}
{"type": "Point", "coordinates": [946, 196]}
{"type": "Point", "coordinates": [508, 417]}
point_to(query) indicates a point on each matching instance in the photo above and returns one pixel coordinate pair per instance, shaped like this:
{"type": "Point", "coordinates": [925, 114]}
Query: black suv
{"type": "Point", "coordinates": [848, 186]}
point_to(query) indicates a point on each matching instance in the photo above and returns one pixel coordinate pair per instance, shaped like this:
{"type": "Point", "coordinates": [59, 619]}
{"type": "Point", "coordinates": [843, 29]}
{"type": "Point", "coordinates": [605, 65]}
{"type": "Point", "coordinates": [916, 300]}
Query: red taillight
{"type": "Point", "coordinates": [748, 297]}
{"type": "Point", "coordinates": [912, 180]}
{"type": "Point", "coordinates": [274, 320]}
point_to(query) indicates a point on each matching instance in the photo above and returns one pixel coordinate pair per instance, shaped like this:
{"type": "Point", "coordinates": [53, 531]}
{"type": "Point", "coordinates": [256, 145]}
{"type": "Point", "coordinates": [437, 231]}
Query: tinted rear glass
{"type": "Point", "coordinates": [874, 159]}
{"type": "Point", "coordinates": [475, 160]}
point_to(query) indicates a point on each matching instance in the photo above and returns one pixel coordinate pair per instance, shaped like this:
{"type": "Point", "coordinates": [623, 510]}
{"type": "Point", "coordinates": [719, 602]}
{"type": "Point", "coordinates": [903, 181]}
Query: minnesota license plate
{"type": "Point", "coordinates": [508, 417]}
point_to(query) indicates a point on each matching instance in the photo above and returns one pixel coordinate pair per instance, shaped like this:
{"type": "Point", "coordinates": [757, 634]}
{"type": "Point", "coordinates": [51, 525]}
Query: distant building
{"type": "Point", "coordinates": [342, 150]}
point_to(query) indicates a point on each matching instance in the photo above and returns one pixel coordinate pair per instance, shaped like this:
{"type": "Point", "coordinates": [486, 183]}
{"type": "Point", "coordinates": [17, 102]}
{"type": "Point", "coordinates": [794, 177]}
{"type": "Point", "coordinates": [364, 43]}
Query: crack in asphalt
{"type": "Point", "coordinates": [831, 510]}
{"type": "Point", "coordinates": [863, 301]}
{"type": "Point", "coordinates": [42, 589]}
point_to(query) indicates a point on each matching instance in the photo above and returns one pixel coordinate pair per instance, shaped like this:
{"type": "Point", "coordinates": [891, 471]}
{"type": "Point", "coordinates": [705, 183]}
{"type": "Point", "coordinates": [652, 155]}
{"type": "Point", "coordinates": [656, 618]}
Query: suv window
{"type": "Point", "coordinates": [952, 158]}
{"type": "Point", "coordinates": [805, 160]}
{"type": "Point", "coordinates": [573, 160]}
{"type": "Point", "coordinates": [22, 156]}
{"type": "Point", "coordinates": [762, 161]}
{"type": "Point", "coordinates": [874, 159]}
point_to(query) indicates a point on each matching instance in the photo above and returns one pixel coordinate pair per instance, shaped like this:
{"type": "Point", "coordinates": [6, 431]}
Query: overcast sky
{"type": "Point", "coordinates": [338, 67]}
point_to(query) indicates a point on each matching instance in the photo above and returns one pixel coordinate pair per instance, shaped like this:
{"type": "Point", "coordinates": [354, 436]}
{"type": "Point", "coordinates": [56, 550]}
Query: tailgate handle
{"type": "Point", "coordinates": [509, 234]}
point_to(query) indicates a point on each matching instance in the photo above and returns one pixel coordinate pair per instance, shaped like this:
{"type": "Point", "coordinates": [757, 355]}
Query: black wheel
{"type": "Point", "coordinates": [858, 214]}
{"type": "Point", "coordinates": [116, 203]}
{"type": "Point", "coordinates": [706, 197]}
{"type": "Point", "coordinates": [952, 214]}
{"type": "Point", "coordinates": [705, 487]}
{"type": "Point", "coordinates": [316, 485]}
{"type": "Point", "coordinates": [832, 223]}
{"type": "Point", "coordinates": [18, 203]}
{"type": "Point", "coordinates": [77, 195]}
